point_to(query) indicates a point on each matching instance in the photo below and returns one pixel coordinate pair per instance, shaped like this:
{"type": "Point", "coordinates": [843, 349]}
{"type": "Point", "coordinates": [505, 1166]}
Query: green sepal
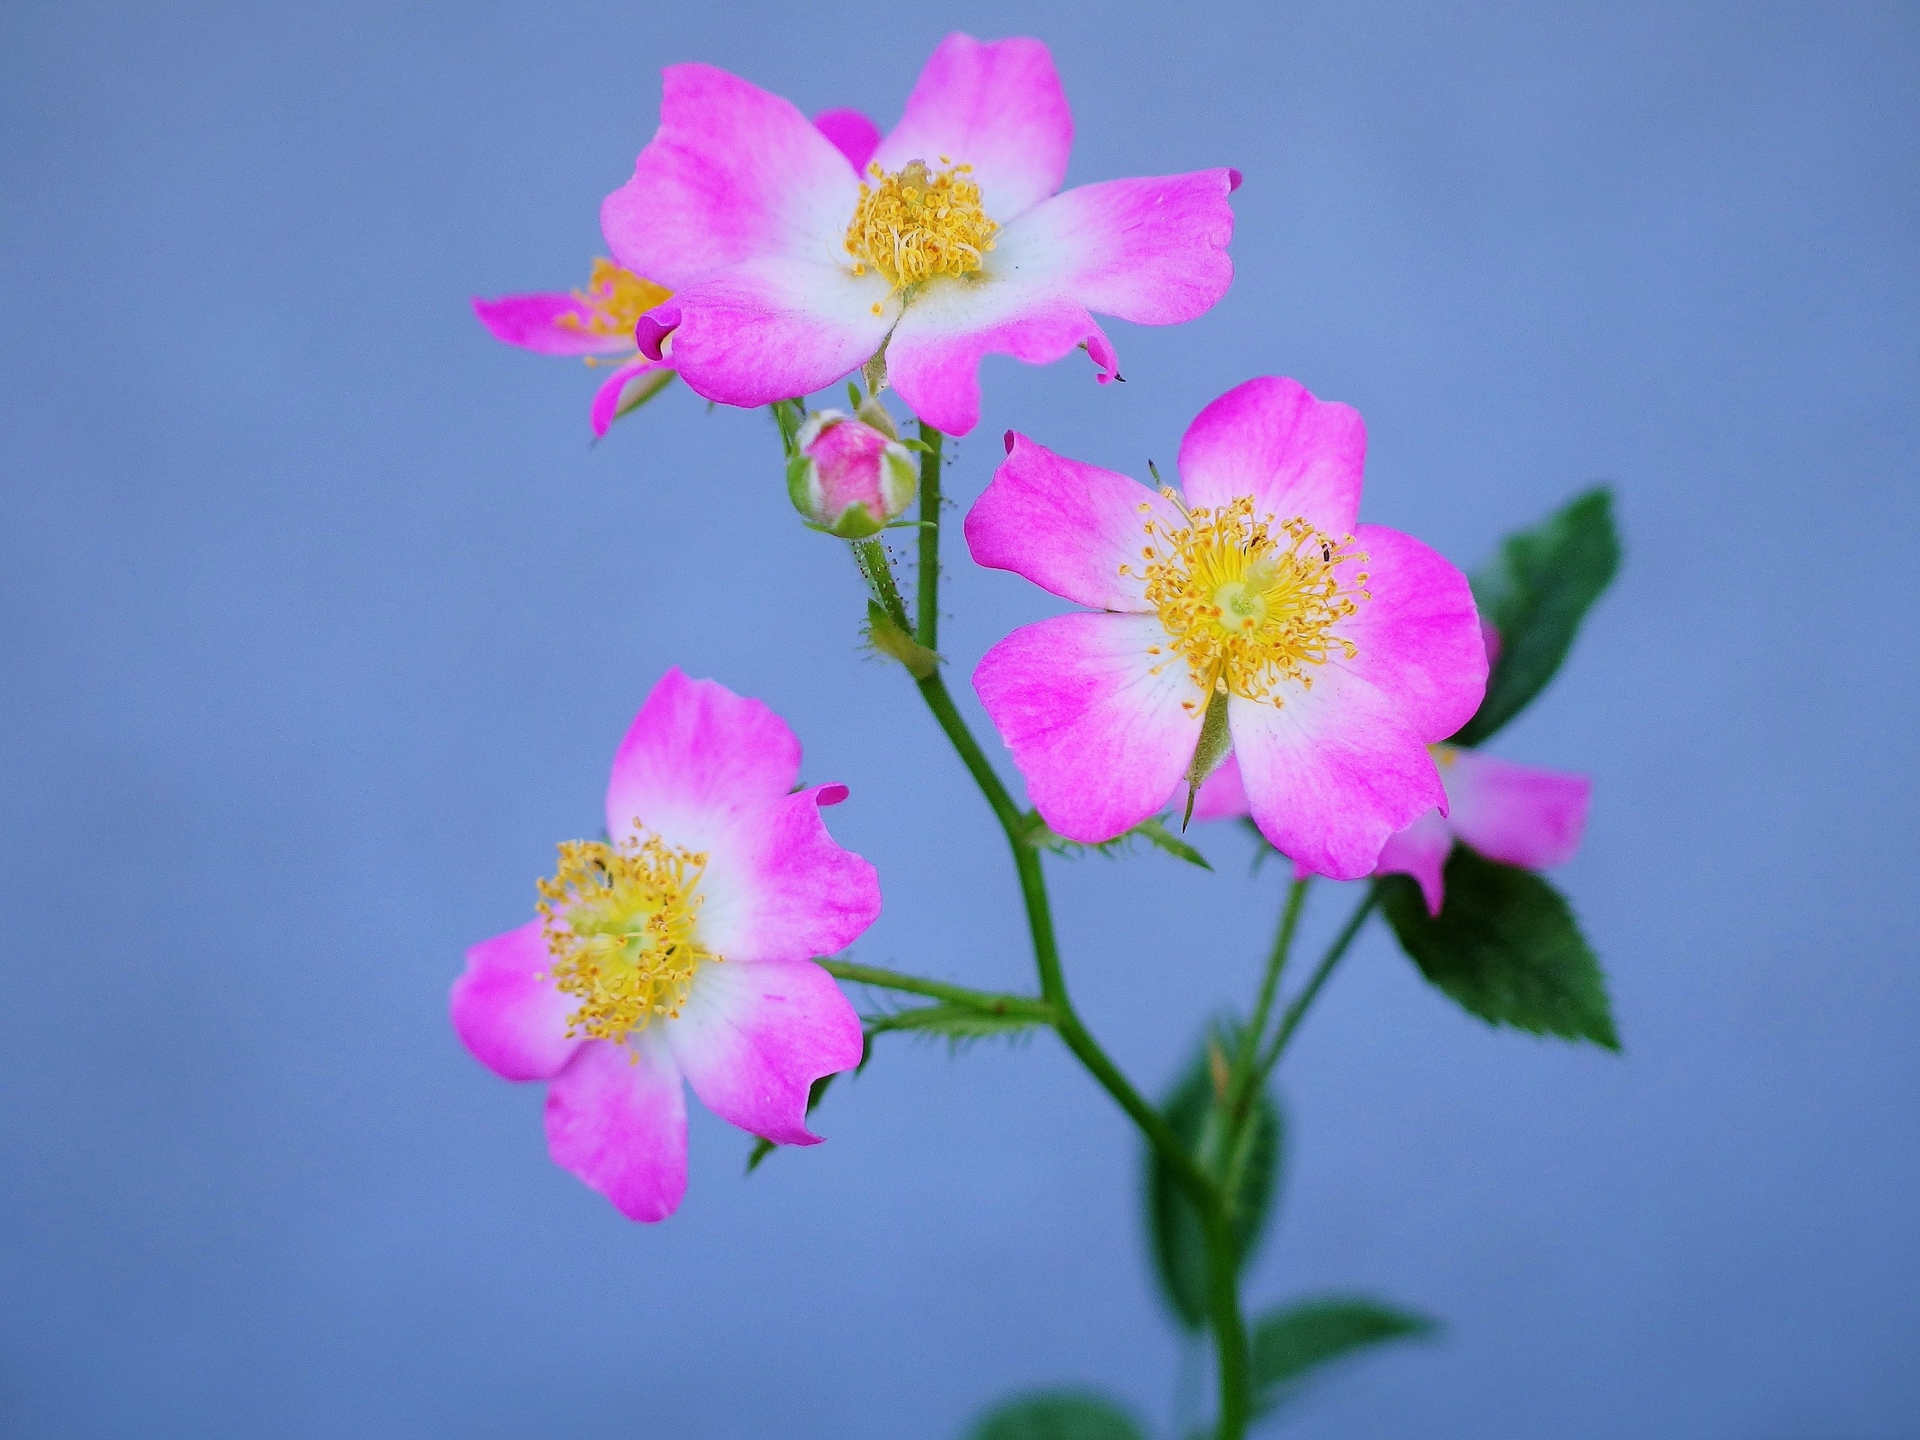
{"type": "Point", "coordinates": [1535, 592]}
{"type": "Point", "coordinates": [889, 639]}
{"type": "Point", "coordinates": [1215, 740]}
{"type": "Point", "coordinates": [1506, 947]}
{"type": "Point", "coordinates": [1154, 831]}
{"type": "Point", "coordinates": [1175, 1236]}
{"type": "Point", "coordinates": [1058, 1415]}
{"type": "Point", "coordinates": [788, 415]}
{"type": "Point", "coordinates": [641, 389]}
{"type": "Point", "coordinates": [1289, 1344]}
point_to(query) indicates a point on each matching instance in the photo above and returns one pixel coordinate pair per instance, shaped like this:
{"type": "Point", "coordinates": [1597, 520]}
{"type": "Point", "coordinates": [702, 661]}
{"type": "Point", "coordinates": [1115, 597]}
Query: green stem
{"type": "Point", "coordinates": [1222, 1247]}
{"type": "Point", "coordinates": [986, 1001]}
{"type": "Point", "coordinates": [1269, 987]}
{"type": "Point", "coordinates": [928, 633]}
{"type": "Point", "coordinates": [1297, 1011]}
{"type": "Point", "coordinates": [877, 571]}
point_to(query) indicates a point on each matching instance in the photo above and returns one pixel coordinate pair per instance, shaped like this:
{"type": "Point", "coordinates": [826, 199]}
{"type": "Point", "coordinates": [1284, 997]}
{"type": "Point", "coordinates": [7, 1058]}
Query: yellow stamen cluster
{"type": "Point", "coordinates": [1248, 603]}
{"type": "Point", "coordinates": [914, 224]}
{"type": "Point", "coordinates": [619, 923]}
{"type": "Point", "coordinates": [614, 301]}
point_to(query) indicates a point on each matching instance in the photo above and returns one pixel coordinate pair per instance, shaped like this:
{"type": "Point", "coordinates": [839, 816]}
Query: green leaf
{"type": "Point", "coordinates": [1288, 1344]}
{"type": "Point", "coordinates": [1505, 946]}
{"type": "Point", "coordinates": [1535, 592]}
{"type": "Point", "coordinates": [1173, 1226]}
{"type": "Point", "coordinates": [1058, 1415]}
{"type": "Point", "coordinates": [1153, 831]}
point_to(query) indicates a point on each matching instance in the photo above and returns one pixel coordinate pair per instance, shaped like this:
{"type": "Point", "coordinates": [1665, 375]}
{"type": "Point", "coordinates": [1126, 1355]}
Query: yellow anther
{"type": "Point", "coordinates": [1251, 604]}
{"type": "Point", "coordinates": [915, 224]}
{"type": "Point", "coordinates": [614, 301]}
{"type": "Point", "coordinates": [619, 923]}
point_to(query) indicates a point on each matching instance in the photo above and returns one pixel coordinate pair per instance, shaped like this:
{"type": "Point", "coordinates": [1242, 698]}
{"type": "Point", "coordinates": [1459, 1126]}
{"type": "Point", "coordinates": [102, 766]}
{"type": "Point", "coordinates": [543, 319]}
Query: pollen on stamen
{"type": "Point", "coordinates": [620, 924]}
{"type": "Point", "coordinates": [1250, 603]}
{"type": "Point", "coordinates": [914, 224]}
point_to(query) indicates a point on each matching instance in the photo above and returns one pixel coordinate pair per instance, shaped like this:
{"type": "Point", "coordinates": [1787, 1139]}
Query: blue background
{"type": "Point", "coordinates": [322, 619]}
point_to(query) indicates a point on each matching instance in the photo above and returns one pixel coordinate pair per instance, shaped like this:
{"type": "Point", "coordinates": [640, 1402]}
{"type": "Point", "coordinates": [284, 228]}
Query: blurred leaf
{"type": "Point", "coordinates": [1173, 1226]}
{"type": "Point", "coordinates": [1288, 1344]}
{"type": "Point", "coordinates": [1535, 592]}
{"type": "Point", "coordinates": [1058, 1415]}
{"type": "Point", "coordinates": [1506, 947]}
{"type": "Point", "coordinates": [1153, 831]}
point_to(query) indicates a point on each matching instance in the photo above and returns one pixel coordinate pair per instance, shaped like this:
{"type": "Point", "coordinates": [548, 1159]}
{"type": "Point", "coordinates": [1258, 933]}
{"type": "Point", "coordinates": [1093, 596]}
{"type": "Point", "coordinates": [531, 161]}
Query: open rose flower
{"type": "Point", "coordinates": [791, 270]}
{"type": "Point", "coordinates": [595, 323]}
{"type": "Point", "coordinates": [1336, 651]}
{"type": "Point", "coordinates": [681, 947]}
{"type": "Point", "coordinates": [1517, 814]}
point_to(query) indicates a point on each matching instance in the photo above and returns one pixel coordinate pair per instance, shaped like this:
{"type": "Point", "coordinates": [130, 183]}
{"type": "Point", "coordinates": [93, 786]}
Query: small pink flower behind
{"type": "Point", "coordinates": [850, 478]}
{"type": "Point", "coordinates": [799, 250]}
{"type": "Point", "coordinates": [595, 323]}
{"type": "Point", "coordinates": [1337, 651]}
{"type": "Point", "coordinates": [1517, 814]}
{"type": "Point", "coordinates": [680, 948]}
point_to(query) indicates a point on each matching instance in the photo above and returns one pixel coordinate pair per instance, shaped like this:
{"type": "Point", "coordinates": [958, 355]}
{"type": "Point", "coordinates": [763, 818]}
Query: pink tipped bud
{"type": "Point", "coordinates": [849, 477]}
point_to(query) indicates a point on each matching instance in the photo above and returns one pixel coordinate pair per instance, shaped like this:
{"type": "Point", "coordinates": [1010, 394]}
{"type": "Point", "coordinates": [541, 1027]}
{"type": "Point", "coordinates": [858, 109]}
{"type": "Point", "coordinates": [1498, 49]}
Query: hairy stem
{"type": "Point", "coordinates": [877, 571]}
{"type": "Point", "coordinates": [928, 632]}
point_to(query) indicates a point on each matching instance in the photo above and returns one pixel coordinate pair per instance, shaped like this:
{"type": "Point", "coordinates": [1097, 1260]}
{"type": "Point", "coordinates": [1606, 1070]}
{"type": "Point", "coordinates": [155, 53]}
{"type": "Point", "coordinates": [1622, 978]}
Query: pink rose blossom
{"type": "Point", "coordinates": [1339, 651]}
{"type": "Point", "coordinates": [850, 478]}
{"type": "Point", "coordinates": [681, 948]}
{"type": "Point", "coordinates": [596, 323]}
{"type": "Point", "coordinates": [791, 270]}
{"type": "Point", "coordinates": [1516, 814]}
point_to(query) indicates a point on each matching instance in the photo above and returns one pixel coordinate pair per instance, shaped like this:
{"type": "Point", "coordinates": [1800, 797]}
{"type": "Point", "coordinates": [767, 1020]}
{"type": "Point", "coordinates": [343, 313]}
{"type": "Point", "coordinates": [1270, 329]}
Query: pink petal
{"type": "Point", "coordinates": [733, 174]}
{"type": "Point", "coordinates": [697, 755]}
{"type": "Point", "coordinates": [995, 105]}
{"type": "Point", "coordinates": [617, 1118]}
{"type": "Point", "coordinates": [852, 134]}
{"type": "Point", "coordinates": [755, 1035]}
{"type": "Point", "coordinates": [1270, 439]}
{"type": "Point", "coordinates": [1152, 251]}
{"type": "Point", "coordinates": [1066, 526]}
{"type": "Point", "coordinates": [1333, 772]}
{"type": "Point", "coordinates": [1102, 740]}
{"type": "Point", "coordinates": [613, 392]}
{"type": "Point", "coordinates": [776, 885]}
{"type": "Point", "coordinates": [513, 1020]}
{"type": "Point", "coordinates": [772, 329]}
{"type": "Point", "coordinates": [534, 322]}
{"type": "Point", "coordinates": [934, 356]}
{"type": "Point", "coordinates": [1516, 814]}
{"type": "Point", "coordinates": [1223, 795]}
{"type": "Point", "coordinates": [1421, 851]}
{"type": "Point", "coordinates": [1419, 636]}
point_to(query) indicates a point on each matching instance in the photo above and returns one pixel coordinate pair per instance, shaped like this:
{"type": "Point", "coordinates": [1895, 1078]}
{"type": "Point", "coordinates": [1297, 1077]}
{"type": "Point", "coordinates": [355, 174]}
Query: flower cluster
{"type": "Point", "coordinates": [1245, 645]}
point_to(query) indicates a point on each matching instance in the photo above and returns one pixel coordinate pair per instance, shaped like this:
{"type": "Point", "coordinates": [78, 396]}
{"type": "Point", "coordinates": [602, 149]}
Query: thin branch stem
{"type": "Point", "coordinates": [1297, 1011]}
{"type": "Point", "coordinates": [928, 600]}
{"type": "Point", "coordinates": [877, 571]}
{"type": "Point", "coordinates": [988, 1002]}
{"type": "Point", "coordinates": [1269, 988]}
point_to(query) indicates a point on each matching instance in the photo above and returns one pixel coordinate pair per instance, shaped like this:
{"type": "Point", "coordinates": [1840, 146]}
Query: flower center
{"type": "Point", "coordinates": [615, 299]}
{"type": "Point", "coordinates": [914, 224]}
{"type": "Point", "coordinates": [619, 924]}
{"type": "Point", "coordinates": [1250, 605]}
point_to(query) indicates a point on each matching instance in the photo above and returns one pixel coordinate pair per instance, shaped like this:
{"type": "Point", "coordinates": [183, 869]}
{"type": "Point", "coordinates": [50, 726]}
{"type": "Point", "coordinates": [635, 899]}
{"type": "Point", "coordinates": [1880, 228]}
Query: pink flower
{"type": "Point", "coordinates": [596, 323]}
{"type": "Point", "coordinates": [1516, 814]}
{"type": "Point", "coordinates": [1338, 651]}
{"type": "Point", "coordinates": [849, 478]}
{"type": "Point", "coordinates": [791, 270]}
{"type": "Point", "coordinates": [680, 947]}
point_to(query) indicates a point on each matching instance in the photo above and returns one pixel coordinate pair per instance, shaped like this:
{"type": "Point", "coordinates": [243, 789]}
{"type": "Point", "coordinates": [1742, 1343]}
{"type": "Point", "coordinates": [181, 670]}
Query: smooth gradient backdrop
{"type": "Point", "coordinates": [321, 619]}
